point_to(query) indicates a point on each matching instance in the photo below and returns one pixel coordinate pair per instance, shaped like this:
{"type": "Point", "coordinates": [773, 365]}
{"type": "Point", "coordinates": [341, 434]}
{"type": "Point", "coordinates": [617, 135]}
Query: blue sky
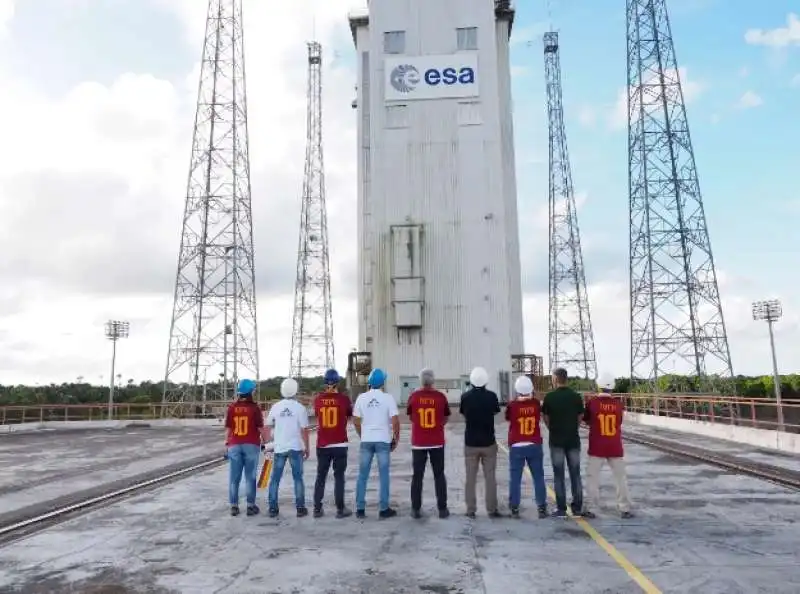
{"type": "Point", "coordinates": [104, 92]}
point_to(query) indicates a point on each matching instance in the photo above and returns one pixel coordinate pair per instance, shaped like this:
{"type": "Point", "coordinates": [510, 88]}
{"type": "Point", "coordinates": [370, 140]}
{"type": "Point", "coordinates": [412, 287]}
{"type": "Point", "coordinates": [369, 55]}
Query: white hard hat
{"type": "Point", "coordinates": [606, 381]}
{"type": "Point", "coordinates": [523, 386]}
{"type": "Point", "coordinates": [479, 377]}
{"type": "Point", "coordinates": [289, 388]}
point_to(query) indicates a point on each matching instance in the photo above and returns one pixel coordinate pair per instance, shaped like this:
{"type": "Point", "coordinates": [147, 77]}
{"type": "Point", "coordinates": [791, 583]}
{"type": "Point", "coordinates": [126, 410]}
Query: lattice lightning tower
{"type": "Point", "coordinates": [677, 325]}
{"type": "Point", "coordinates": [571, 338]}
{"type": "Point", "coordinates": [312, 329]}
{"type": "Point", "coordinates": [214, 335]}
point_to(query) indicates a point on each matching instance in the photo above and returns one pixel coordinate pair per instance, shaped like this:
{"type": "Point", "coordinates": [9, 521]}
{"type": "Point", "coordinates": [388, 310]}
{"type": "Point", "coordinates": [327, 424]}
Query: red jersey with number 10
{"type": "Point", "coordinates": [332, 411]}
{"type": "Point", "coordinates": [523, 418]}
{"type": "Point", "coordinates": [604, 416]}
{"type": "Point", "coordinates": [427, 409]}
{"type": "Point", "coordinates": [244, 419]}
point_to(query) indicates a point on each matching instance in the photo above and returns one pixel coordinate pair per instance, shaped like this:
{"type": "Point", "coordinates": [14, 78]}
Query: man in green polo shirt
{"type": "Point", "coordinates": [562, 411]}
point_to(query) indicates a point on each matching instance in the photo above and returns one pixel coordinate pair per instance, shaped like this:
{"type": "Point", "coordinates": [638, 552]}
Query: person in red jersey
{"type": "Point", "coordinates": [525, 446]}
{"type": "Point", "coordinates": [332, 409]}
{"type": "Point", "coordinates": [604, 415]}
{"type": "Point", "coordinates": [428, 411]}
{"type": "Point", "coordinates": [244, 432]}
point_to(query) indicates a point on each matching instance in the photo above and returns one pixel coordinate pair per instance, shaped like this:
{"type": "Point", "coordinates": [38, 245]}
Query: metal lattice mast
{"type": "Point", "coordinates": [312, 328]}
{"type": "Point", "coordinates": [571, 338]}
{"type": "Point", "coordinates": [677, 325]}
{"type": "Point", "coordinates": [214, 335]}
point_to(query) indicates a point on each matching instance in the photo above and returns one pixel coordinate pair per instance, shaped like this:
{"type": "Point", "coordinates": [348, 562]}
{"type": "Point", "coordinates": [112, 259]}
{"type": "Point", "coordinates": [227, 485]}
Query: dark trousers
{"type": "Point", "coordinates": [571, 458]}
{"type": "Point", "coordinates": [326, 457]}
{"type": "Point", "coordinates": [419, 462]}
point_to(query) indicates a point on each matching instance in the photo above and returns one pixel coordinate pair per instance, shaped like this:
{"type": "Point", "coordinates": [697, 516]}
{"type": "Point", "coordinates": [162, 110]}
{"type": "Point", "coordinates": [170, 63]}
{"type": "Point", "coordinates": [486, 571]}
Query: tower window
{"type": "Point", "coordinates": [467, 38]}
{"type": "Point", "coordinates": [394, 42]}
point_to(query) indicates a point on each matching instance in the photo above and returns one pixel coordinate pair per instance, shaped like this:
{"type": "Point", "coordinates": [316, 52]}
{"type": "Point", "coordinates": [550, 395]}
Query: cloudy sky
{"type": "Point", "coordinates": [98, 104]}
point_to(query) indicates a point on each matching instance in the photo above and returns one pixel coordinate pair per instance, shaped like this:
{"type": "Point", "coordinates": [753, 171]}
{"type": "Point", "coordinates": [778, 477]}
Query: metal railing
{"type": "Point", "coordinates": [759, 413]}
{"type": "Point", "coordinates": [42, 413]}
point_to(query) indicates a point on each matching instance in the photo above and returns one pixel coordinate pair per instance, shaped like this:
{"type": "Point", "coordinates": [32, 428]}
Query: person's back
{"type": "Point", "coordinates": [604, 417]}
{"type": "Point", "coordinates": [289, 422]}
{"type": "Point", "coordinates": [563, 408]}
{"type": "Point", "coordinates": [562, 411]}
{"type": "Point", "coordinates": [290, 418]}
{"type": "Point", "coordinates": [376, 421]}
{"type": "Point", "coordinates": [244, 431]}
{"type": "Point", "coordinates": [479, 407]}
{"type": "Point", "coordinates": [428, 411]}
{"type": "Point", "coordinates": [375, 408]}
{"type": "Point", "coordinates": [333, 410]}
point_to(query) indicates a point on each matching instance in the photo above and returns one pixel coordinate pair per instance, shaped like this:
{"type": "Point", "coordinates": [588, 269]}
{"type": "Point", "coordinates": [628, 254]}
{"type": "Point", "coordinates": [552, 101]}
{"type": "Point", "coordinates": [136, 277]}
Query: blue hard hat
{"type": "Point", "coordinates": [332, 377]}
{"type": "Point", "coordinates": [246, 387]}
{"type": "Point", "coordinates": [377, 377]}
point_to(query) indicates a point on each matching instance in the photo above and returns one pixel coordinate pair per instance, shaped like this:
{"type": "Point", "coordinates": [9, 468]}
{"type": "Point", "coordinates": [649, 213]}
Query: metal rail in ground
{"type": "Point", "coordinates": [775, 474]}
{"type": "Point", "coordinates": [34, 523]}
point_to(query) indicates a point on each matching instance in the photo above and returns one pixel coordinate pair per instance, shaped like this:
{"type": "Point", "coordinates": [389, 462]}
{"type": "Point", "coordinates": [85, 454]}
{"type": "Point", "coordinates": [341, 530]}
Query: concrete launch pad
{"type": "Point", "coordinates": [38, 466]}
{"type": "Point", "coordinates": [698, 529]}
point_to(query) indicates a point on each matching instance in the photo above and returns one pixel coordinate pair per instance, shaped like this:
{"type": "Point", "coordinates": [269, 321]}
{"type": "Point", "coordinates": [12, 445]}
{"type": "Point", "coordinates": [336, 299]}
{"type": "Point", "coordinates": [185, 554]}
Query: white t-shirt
{"type": "Point", "coordinates": [375, 408]}
{"type": "Point", "coordinates": [288, 418]}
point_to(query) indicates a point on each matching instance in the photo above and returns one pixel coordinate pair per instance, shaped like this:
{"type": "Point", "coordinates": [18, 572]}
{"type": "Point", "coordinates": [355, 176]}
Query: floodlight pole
{"type": "Point", "coordinates": [771, 311]}
{"type": "Point", "coordinates": [115, 329]}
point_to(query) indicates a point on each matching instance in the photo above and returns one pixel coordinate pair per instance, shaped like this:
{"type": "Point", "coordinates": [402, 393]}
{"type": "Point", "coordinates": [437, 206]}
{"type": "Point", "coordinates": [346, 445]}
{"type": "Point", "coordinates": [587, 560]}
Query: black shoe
{"type": "Point", "coordinates": [416, 514]}
{"type": "Point", "coordinates": [561, 514]}
{"type": "Point", "coordinates": [361, 514]}
{"type": "Point", "coordinates": [515, 513]}
{"type": "Point", "coordinates": [542, 512]}
{"type": "Point", "coordinates": [273, 512]}
{"type": "Point", "coordinates": [234, 510]}
{"type": "Point", "coordinates": [588, 514]}
{"type": "Point", "coordinates": [343, 513]}
{"type": "Point", "coordinates": [626, 515]}
{"type": "Point", "coordinates": [318, 513]}
{"type": "Point", "coordinates": [444, 513]}
{"type": "Point", "coordinates": [387, 513]}
{"type": "Point", "coordinates": [252, 510]}
{"type": "Point", "coordinates": [302, 512]}
{"type": "Point", "coordinates": [495, 514]}
{"type": "Point", "coordinates": [471, 515]}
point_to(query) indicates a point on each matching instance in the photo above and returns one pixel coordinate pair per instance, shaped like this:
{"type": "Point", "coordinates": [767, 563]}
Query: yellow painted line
{"type": "Point", "coordinates": [633, 572]}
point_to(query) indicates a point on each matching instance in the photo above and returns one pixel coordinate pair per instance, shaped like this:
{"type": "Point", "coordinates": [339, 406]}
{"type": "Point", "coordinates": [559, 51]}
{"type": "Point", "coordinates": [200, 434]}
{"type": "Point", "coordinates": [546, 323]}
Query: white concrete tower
{"type": "Point", "coordinates": [439, 262]}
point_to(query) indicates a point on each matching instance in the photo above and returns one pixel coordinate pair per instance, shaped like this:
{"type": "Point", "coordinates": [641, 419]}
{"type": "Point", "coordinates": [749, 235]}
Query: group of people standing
{"type": "Point", "coordinates": [375, 418]}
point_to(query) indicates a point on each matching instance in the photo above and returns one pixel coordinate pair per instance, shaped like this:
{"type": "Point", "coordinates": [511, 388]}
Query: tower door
{"type": "Point", "coordinates": [407, 385]}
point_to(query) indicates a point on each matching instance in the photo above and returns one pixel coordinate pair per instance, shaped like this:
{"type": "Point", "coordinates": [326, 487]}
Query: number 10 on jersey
{"type": "Point", "coordinates": [328, 417]}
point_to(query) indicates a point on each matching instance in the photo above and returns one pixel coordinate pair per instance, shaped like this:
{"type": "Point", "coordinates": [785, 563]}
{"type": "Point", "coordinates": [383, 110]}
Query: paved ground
{"type": "Point", "coordinates": [774, 457]}
{"type": "Point", "coordinates": [38, 466]}
{"type": "Point", "coordinates": [698, 529]}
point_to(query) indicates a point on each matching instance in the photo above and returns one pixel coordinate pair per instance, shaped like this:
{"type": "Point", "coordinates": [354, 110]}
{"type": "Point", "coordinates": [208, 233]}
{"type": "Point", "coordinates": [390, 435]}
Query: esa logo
{"type": "Point", "coordinates": [405, 77]}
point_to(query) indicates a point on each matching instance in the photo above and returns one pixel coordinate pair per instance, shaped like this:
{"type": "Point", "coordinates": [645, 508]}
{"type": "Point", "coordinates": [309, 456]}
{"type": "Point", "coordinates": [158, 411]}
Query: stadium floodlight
{"type": "Point", "coordinates": [771, 311]}
{"type": "Point", "coordinates": [115, 329]}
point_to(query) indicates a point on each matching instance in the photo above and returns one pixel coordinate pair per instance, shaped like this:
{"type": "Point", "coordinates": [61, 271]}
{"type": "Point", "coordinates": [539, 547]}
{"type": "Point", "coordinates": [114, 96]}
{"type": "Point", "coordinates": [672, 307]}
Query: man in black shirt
{"type": "Point", "coordinates": [562, 411]}
{"type": "Point", "coordinates": [479, 407]}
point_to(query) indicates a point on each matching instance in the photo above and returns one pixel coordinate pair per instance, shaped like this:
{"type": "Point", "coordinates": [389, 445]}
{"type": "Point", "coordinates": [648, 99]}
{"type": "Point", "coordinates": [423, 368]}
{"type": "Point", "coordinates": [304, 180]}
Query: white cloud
{"type": "Point", "coordinates": [618, 118]}
{"type": "Point", "coordinates": [91, 225]}
{"type": "Point", "coordinates": [749, 100]}
{"type": "Point", "coordinates": [778, 37]}
{"type": "Point", "coordinates": [6, 14]}
{"type": "Point", "coordinates": [587, 115]}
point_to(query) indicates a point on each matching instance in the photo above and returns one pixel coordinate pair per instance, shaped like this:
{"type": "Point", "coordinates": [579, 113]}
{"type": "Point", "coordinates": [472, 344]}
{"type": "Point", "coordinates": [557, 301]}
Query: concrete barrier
{"type": "Point", "coordinates": [70, 425]}
{"type": "Point", "coordinates": [762, 438]}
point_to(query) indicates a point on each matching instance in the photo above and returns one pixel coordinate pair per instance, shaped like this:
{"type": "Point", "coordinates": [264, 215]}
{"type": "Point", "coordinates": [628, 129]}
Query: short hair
{"type": "Point", "coordinates": [560, 374]}
{"type": "Point", "coordinates": [426, 377]}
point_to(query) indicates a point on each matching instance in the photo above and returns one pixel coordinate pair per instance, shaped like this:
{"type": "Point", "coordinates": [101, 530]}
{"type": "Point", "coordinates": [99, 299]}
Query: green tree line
{"type": "Point", "coordinates": [147, 391]}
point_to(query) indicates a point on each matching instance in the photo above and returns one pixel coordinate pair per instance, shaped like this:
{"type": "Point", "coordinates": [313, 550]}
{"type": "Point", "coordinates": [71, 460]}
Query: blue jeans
{"type": "Point", "coordinates": [295, 458]}
{"type": "Point", "coordinates": [242, 457]}
{"type": "Point", "coordinates": [572, 458]}
{"type": "Point", "coordinates": [518, 457]}
{"type": "Point", "coordinates": [370, 449]}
